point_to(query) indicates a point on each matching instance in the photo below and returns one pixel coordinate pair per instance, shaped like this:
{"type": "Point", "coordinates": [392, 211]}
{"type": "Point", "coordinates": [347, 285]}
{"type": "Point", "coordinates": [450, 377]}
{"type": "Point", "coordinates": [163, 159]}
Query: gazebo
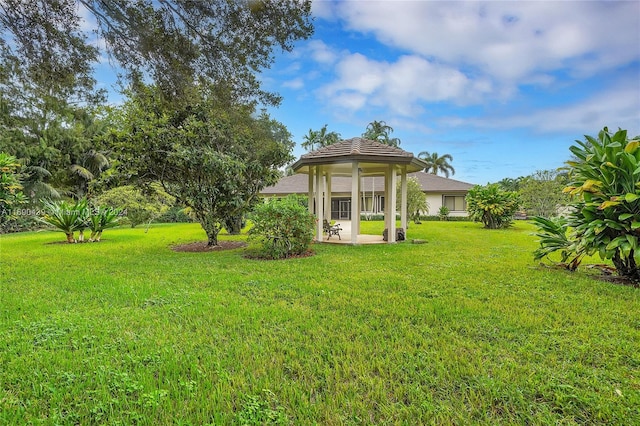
{"type": "Point", "coordinates": [357, 158]}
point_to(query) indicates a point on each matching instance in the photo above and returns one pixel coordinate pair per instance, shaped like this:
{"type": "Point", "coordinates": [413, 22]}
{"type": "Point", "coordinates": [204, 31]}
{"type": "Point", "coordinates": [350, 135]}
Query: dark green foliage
{"type": "Point", "coordinates": [213, 155]}
{"type": "Point", "coordinates": [443, 213]}
{"type": "Point", "coordinates": [175, 214]}
{"type": "Point", "coordinates": [233, 225]}
{"type": "Point", "coordinates": [541, 193]}
{"type": "Point", "coordinates": [284, 227]}
{"type": "Point", "coordinates": [492, 206]}
{"type": "Point", "coordinates": [379, 131]}
{"type": "Point", "coordinates": [437, 163]}
{"type": "Point", "coordinates": [605, 217]}
{"type": "Point", "coordinates": [11, 196]}
{"type": "Point", "coordinates": [553, 238]}
{"type": "Point", "coordinates": [174, 42]}
{"type": "Point", "coordinates": [316, 139]}
{"type": "Point", "coordinates": [416, 200]}
{"type": "Point", "coordinates": [138, 206]}
{"type": "Point", "coordinates": [78, 216]}
{"type": "Point", "coordinates": [66, 217]}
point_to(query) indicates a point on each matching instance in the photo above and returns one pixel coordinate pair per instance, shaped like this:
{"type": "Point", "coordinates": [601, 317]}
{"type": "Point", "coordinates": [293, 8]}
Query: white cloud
{"type": "Point", "coordinates": [296, 83]}
{"type": "Point", "coordinates": [615, 107]}
{"type": "Point", "coordinates": [321, 53]}
{"type": "Point", "coordinates": [402, 86]}
{"type": "Point", "coordinates": [506, 40]}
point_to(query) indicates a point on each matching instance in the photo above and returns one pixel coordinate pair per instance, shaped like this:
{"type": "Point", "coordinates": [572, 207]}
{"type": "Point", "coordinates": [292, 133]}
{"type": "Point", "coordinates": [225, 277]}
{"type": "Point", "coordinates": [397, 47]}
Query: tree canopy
{"type": "Point", "coordinates": [318, 138]}
{"type": "Point", "coordinates": [214, 155]}
{"type": "Point", "coordinates": [381, 132]}
{"type": "Point", "coordinates": [172, 42]}
{"type": "Point", "coordinates": [437, 163]}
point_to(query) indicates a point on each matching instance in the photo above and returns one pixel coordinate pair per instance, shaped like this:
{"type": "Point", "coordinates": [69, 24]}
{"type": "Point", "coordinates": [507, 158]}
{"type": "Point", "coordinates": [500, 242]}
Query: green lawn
{"type": "Point", "coordinates": [465, 329]}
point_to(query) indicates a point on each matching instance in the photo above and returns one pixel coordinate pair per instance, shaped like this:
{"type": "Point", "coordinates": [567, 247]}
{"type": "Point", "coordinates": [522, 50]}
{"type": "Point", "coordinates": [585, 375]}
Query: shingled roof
{"type": "Point", "coordinates": [361, 150]}
{"type": "Point", "coordinates": [299, 184]}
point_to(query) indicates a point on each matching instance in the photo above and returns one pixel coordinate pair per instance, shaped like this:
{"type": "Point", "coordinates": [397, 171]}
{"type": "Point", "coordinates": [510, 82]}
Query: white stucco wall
{"type": "Point", "coordinates": [435, 202]}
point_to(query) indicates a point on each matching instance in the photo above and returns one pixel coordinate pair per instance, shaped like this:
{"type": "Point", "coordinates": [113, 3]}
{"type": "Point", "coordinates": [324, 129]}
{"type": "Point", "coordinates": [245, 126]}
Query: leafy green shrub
{"type": "Point", "coordinates": [175, 214]}
{"type": "Point", "coordinates": [66, 217]}
{"type": "Point", "coordinates": [443, 213]}
{"type": "Point", "coordinates": [606, 215]}
{"type": "Point", "coordinates": [100, 219]}
{"type": "Point", "coordinates": [79, 216]}
{"type": "Point", "coordinates": [492, 206]}
{"type": "Point", "coordinates": [11, 195]}
{"type": "Point", "coordinates": [139, 207]}
{"type": "Point", "coordinates": [553, 238]}
{"type": "Point", "coordinates": [284, 227]}
{"type": "Point", "coordinates": [417, 203]}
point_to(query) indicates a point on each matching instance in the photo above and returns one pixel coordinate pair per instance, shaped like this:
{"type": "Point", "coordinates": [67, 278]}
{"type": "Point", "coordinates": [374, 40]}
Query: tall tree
{"type": "Point", "coordinates": [214, 155]}
{"type": "Point", "coordinates": [381, 132]}
{"type": "Point", "coordinates": [541, 193]}
{"type": "Point", "coordinates": [437, 163]}
{"type": "Point", "coordinates": [172, 42]}
{"type": "Point", "coordinates": [417, 203]}
{"type": "Point", "coordinates": [319, 138]}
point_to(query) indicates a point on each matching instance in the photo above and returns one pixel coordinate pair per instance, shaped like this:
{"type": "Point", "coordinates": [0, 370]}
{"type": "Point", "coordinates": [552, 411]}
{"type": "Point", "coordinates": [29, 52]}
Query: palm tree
{"type": "Point", "coordinates": [91, 164]}
{"type": "Point", "coordinates": [436, 163]}
{"type": "Point", "coordinates": [379, 131]}
{"type": "Point", "coordinates": [319, 137]}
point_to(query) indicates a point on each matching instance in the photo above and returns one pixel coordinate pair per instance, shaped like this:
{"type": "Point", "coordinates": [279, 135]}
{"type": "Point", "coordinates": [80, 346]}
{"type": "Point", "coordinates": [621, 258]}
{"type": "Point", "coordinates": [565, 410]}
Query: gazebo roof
{"type": "Point", "coordinates": [372, 157]}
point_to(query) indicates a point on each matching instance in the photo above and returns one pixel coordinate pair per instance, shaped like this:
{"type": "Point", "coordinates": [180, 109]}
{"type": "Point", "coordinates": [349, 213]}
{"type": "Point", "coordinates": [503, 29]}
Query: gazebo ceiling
{"type": "Point", "coordinates": [373, 158]}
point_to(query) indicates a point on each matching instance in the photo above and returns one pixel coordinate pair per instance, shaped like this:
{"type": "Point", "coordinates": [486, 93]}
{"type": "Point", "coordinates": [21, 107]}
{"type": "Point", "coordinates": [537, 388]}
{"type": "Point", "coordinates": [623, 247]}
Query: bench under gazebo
{"type": "Point", "coordinates": [358, 158]}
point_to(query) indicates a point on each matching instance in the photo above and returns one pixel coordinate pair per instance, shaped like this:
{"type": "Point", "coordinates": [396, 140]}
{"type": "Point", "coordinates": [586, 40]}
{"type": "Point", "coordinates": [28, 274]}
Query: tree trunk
{"type": "Point", "coordinates": [211, 228]}
{"type": "Point", "coordinates": [233, 225]}
{"type": "Point", "coordinates": [626, 267]}
{"type": "Point", "coordinates": [70, 238]}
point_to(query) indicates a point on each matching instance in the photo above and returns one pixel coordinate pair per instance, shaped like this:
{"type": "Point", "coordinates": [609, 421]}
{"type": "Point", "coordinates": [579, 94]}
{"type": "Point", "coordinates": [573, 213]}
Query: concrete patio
{"type": "Point", "coordinates": [345, 236]}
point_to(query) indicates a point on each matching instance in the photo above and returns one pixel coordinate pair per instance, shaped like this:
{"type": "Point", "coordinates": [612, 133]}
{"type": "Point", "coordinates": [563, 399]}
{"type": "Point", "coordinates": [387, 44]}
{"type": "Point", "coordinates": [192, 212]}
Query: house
{"type": "Point", "coordinates": [440, 192]}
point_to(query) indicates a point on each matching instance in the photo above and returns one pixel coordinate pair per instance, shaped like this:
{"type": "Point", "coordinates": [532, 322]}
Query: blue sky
{"type": "Point", "coordinates": [504, 87]}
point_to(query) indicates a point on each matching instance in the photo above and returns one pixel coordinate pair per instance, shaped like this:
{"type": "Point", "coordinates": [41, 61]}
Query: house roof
{"type": "Point", "coordinates": [369, 154]}
{"type": "Point", "coordinates": [430, 183]}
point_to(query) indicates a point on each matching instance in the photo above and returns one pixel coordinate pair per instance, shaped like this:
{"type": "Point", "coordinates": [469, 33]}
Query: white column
{"type": "Point", "coordinates": [403, 200]}
{"type": "Point", "coordinates": [387, 222]}
{"type": "Point", "coordinates": [319, 209]}
{"type": "Point", "coordinates": [327, 196]}
{"type": "Point", "coordinates": [311, 190]}
{"type": "Point", "coordinates": [355, 213]}
{"type": "Point", "coordinates": [392, 203]}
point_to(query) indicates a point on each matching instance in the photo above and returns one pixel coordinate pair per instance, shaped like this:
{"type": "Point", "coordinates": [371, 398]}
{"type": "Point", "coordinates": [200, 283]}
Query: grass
{"type": "Point", "coordinates": [464, 329]}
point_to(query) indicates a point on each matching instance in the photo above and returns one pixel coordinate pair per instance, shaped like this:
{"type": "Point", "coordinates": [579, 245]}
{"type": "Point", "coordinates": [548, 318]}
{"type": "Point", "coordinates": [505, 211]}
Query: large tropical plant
{"type": "Point", "coordinates": [437, 163]}
{"type": "Point", "coordinates": [381, 132]}
{"type": "Point", "coordinates": [319, 138]}
{"type": "Point", "coordinates": [492, 206]}
{"type": "Point", "coordinates": [605, 217]}
{"type": "Point", "coordinates": [66, 217]}
{"type": "Point", "coordinates": [553, 234]}
{"type": "Point", "coordinates": [101, 219]}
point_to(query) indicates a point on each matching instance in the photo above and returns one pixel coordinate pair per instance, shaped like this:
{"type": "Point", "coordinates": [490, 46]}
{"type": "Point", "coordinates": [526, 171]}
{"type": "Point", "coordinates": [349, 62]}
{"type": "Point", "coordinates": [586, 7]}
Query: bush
{"type": "Point", "coordinates": [11, 196]}
{"type": "Point", "coordinates": [443, 213]}
{"type": "Point", "coordinates": [605, 218]}
{"type": "Point", "coordinates": [175, 214]}
{"type": "Point", "coordinates": [139, 207]}
{"type": "Point", "coordinates": [284, 227]}
{"type": "Point", "coordinates": [492, 206]}
{"type": "Point", "coordinates": [69, 218]}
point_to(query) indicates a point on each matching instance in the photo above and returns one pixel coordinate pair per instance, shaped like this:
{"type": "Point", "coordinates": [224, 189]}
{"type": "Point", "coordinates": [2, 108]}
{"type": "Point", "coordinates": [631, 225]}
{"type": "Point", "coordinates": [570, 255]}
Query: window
{"type": "Point", "coordinates": [455, 203]}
